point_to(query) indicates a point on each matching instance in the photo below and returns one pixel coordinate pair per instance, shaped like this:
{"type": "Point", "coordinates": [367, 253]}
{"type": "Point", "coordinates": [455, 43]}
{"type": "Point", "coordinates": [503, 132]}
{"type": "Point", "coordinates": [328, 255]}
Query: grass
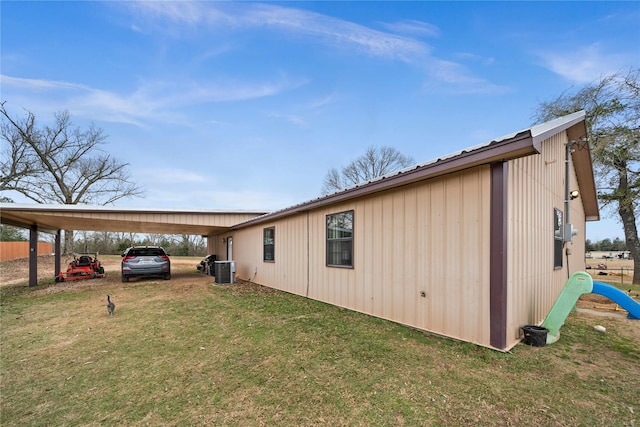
{"type": "Point", "coordinates": [192, 353]}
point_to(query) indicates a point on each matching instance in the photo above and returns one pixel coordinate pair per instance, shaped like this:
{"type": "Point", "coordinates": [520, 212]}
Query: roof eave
{"type": "Point", "coordinates": [546, 130]}
{"type": "Point", "coordinates": [583, 166]}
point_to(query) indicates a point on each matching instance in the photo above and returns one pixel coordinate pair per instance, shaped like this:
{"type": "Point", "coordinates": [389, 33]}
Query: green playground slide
{"type": "Point", "coordinates": [579, 283]}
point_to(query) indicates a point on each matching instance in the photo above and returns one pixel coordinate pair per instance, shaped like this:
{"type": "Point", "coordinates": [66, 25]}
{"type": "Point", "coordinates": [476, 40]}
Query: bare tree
{"type": "Point", "coordinates": [377, 161]}
{"type": "Point", "coordinates": [60, 164]}
{"type": "Point", "coordinates": [612, 106]}
{"type": "Point", "coordinates": [190, 245]}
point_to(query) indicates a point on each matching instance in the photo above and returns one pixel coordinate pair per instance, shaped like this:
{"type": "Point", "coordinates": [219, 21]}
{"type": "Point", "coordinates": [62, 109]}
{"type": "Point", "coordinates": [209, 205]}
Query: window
{"type": "Point", "coordinates": [340, 239]}
{"type": "Point", "coordinates": [269, 253]}
{"type": "Point", "coordinates": [558, 241]}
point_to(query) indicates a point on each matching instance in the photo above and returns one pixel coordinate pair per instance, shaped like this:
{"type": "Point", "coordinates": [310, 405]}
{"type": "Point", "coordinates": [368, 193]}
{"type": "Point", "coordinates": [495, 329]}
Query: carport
{"type": "Point", "coordinates": [53, 219]}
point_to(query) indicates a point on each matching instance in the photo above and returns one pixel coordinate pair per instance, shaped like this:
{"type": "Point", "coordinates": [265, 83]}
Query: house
{"type": "Point", "coordinates": [470, 246]}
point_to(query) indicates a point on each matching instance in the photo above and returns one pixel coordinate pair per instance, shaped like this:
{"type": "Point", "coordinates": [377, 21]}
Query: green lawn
{"type": "Point", "coordinates": [192, 353]}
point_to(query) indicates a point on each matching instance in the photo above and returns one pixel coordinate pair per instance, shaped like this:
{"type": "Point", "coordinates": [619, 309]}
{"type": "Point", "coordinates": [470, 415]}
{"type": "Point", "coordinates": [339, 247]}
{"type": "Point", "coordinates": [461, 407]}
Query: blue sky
{"type": "Point", "coordinates": [247, 105]}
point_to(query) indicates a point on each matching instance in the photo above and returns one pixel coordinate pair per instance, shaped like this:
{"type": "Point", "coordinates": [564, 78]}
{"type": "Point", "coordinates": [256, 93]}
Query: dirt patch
{"type": "Point", "coordinates": [594, 299]}
{"type": "Point", "coordinates": [610, 270]}
{"type": "Point", "coordinates": [599, 305]}
{"type": "Point", "coordinates": [17, 271]}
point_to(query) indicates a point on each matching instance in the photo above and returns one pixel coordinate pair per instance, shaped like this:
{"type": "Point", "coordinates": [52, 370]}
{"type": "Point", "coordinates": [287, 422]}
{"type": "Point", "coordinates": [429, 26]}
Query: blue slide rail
{"type": "Point", "coordinates": [619, 297]}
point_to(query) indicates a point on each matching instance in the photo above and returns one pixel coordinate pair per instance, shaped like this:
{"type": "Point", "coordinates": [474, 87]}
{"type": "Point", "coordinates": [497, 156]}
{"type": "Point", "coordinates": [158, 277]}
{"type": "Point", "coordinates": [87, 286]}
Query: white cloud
{"type": "Point", "coordinates": [459, 79]}
{"type": "Point", "coordinates": [484, 60]}
{"type": "Point", "coordinates": [154, 100]}
{"type": "Point", "coordinates": [173, 176]}
{"type": "Point", "coordinates": [321, 102]}
{"type": "Point", "coordinates": [245, 199]}
{"type": "Point", "coordinates": [160, 100]}
{"type": "Point", "coordinates": [412, 26]}
{"type": "Point", "coordinates": [290, 118]}
{"type": "Point", "coordinates": [583, 64]}
{"type": "Point", "coordinates": [38, 84]}
{"type": "Point", "coordinates": [336, 33]}
{"type": "Point", "coordinates": [208, 197]}
{"type": "Point", "coordinates": [180, 188]}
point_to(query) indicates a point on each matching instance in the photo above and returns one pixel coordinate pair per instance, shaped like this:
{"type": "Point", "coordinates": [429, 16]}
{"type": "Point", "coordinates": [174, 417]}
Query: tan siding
{"type": "Point", "coordinates": [380, 256]}
{"type": "Point", "coordinates": [410, 294]}
{"type": "Point", "coordinates": [536, 187]}
{"type": "Point", "coordinates": [368, 236]}
{"type": "Point", "coordinates": [437, 280]}
{"type": "Point", "coordinates": [291, 247]}
{"type": "Point", "coordinates": [452, 245]}
{"type": "Point", "coordinates": [429, 237]}
{"type": "Point", "coordinates": [424, 273]}
{"type": "Point", "coordinates": [474, 235]}
{"type": "Point", "coordinates": [289, 271]}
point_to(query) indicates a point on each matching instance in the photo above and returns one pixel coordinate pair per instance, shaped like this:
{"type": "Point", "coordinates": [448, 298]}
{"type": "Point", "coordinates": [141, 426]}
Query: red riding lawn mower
{"type": "Point", "coordinates": [84, 266]}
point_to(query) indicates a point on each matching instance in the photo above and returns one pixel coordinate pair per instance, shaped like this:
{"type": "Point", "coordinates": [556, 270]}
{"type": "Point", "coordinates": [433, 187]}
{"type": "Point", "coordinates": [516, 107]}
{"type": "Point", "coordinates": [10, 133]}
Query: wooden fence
{"type": "Point", "coordinates": [15, 250]}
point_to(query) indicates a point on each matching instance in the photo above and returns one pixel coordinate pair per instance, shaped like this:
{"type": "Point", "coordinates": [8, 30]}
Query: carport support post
{"type": "Point", "coordinates": [56, 250]}
{"type": "Point", "coordinates": [33, 255]}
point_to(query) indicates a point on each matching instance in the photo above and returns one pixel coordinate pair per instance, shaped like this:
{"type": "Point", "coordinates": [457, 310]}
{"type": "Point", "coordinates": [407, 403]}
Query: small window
{"type": "Point", "coordinates": [269, 243]}
{"type": "Point", "coordinates": [340, 239]}
{"type": "Point", "coordinates": [558, 242]}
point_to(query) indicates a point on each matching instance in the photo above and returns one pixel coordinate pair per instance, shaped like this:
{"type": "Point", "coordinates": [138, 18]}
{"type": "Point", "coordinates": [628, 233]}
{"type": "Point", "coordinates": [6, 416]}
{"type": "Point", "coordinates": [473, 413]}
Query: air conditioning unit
{"type": "Point", "coordinates": [225, 272]}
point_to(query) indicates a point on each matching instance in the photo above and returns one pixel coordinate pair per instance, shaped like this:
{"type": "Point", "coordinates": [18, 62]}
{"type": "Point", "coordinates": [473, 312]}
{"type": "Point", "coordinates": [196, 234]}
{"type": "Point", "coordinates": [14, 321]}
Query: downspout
{"type": "Point", "coordinates": [308, 257]}
{"type": "Point", "coordinates": [567, 189]}
{"type": "Point", "coordinates": [567, 232]}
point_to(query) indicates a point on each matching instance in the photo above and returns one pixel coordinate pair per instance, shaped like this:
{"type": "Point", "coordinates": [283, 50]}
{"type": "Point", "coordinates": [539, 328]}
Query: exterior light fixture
{"type": "Point", "coordinates": [574, 194]}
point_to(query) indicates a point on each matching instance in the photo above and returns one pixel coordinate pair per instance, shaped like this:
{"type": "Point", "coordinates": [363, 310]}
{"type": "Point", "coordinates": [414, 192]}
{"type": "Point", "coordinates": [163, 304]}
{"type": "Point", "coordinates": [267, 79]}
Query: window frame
{"type": "Point", "coordinates": [331, 242]}
{"type": "Point", "coordinates": [269, 247]}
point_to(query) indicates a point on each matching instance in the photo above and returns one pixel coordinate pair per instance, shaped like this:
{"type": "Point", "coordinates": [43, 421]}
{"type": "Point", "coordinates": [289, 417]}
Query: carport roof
{"type": "Point", "coordinates": [51, 218]}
